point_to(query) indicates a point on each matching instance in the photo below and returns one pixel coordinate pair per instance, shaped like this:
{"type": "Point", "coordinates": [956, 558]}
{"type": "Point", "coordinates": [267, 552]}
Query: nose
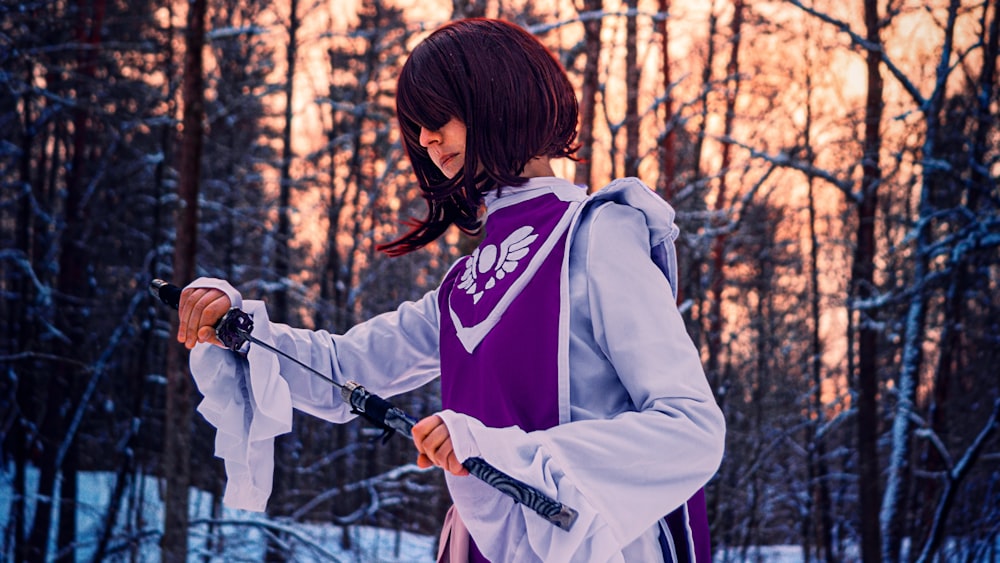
{"type": "Point", "coordinates": [427, 136]}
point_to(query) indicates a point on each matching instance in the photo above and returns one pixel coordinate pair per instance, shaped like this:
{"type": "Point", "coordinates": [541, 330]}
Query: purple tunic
{"type": "Point", "coordinates": [509, 377]}
{"type": "Point", "coordinates": [506, 373]}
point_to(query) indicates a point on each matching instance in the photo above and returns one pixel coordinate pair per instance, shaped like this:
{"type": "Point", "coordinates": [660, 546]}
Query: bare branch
{"type": "Point", "coordinates": [366, 484]}
{"type": "Point", "coordinates": [954, 478]}
{"type": "Point", "coordinates": [862, 43]}
{"type": "Point", "coordinates": [786, 160]}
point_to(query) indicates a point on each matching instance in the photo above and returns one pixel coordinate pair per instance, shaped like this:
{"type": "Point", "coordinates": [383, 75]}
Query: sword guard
{"type": "Point", "coordinates": [232, 327]}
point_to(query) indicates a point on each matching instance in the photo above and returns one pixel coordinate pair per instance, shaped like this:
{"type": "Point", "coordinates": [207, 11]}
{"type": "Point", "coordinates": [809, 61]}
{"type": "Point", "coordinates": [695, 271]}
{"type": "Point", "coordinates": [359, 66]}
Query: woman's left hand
{"type": "Point", "coordinates": [433, 441]}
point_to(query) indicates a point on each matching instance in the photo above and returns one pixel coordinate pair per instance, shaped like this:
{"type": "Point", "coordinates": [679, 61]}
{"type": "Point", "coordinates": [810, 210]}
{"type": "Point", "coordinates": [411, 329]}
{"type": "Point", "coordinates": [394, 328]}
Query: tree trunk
{"type": "Point", "coordinates": [820, 513]}
{"type": "Point", "coordinates": [964, 275]}
{"type": "Point", "coordinates": [668, 158]}
{"type": "Point", "coordinates": [285, 447]}
{"type": "Point", "coordinates": [816, 446]}
{"type": "Point", "coordinates": [179, 405]}
{"type": "Point", "coordinates": [584, 174]}
{"type": "Point", "coordinates": [898, 478]}
{"type": "Point", "coordinates": [19, 329]}
{"type": "Point", "coordinates": [282, 262]}
{"type": "Point", "coordinates": [861, 289]}
{"type": "Point", "coordinates": [58, 447]}
{"type": "Point", "coordinates": [74, 260]}
{"type": "Point", "coordinates": [632, 74]}
{"type": "Point", "coordinates": [706, 88]}
{"type": "Point", "coordinates": [719, 245]}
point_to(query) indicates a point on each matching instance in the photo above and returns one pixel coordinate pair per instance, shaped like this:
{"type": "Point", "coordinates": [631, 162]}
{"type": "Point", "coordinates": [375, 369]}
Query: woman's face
{"type": "Point", "coordinates": [446, 146]}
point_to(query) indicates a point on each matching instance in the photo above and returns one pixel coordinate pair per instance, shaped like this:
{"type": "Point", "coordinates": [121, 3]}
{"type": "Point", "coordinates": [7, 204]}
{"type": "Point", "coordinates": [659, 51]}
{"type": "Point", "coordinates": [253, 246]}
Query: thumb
{"type": "Point", "coordinates": [206, 334]}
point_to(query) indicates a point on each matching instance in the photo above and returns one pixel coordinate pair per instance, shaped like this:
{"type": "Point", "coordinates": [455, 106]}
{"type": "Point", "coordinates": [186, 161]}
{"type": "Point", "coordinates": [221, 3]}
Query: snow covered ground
{"type": "Point", "coordinates": [243, 533]}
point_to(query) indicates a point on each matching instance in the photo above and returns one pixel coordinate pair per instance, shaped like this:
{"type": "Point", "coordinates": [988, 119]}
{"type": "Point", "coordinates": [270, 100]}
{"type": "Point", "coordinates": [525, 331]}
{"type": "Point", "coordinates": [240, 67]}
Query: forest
{"type": "Point", "coordinates": [834, 166]}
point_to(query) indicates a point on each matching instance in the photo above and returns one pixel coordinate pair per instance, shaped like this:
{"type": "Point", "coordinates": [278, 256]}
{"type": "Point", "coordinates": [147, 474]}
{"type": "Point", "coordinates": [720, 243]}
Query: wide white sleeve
{"type": "Point", "coordinates": [249, 399]}
{"type": "Point", "coordinates": [249, 405]}
{"type": "Point", "coordinates": [388, 354]}
{"type": "Point", "coordinates": [623, 473]}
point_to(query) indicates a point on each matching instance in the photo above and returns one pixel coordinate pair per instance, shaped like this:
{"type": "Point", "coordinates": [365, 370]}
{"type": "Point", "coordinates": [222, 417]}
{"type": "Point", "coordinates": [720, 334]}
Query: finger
{"type": "Point", "coordinates": [424, 462]}
{"type": "Point", "coordinates": [190, 316]}
{"type": "Point", "coordinates": [447, 459]}
{"type": "Point", "coordinates": [434, 445]}
{"type": "Point", "coordinates": [192, 320]}
{"type": "Point", "coordinates": [217, 308]}
{"type": "Point", "coordinates": [188, 299]}
{"type": "Point", "coordinates": [199, 317]}
{"type": "Point", "coordinates": [433, 441]}
{"type": "Point", "coordinates": [213, 313]}
{"type": "Point", "coordinates": [207, 334]}
{"type": "Point", "coordinates": [422, 429]}
{"type": "Point", "coordinates": [456, 466]}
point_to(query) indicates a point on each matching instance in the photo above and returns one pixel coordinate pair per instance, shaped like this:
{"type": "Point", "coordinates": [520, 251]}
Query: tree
{"type": "Point", "coordinates": [667, 183]}
{"type": "Point", "coordinates": [592, 25]}
{"type": "Point", "coordinates": [180, 410]}
{"type": "Point", "coordinates": [820, 514]}
{"type": "Point", "coordinates": [632, 73]}
{"type": "Point", "coordinates": [861, 289]}
{"type": "Point", "coordinates": [286, 447]}
{"type": "Point", "coordinates": [884, 524]}
{"type": "Point", "coordinates": [718, 252]}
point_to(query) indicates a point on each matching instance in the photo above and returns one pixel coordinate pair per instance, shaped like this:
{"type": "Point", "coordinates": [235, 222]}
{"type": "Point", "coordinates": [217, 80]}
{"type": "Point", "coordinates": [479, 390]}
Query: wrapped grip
{"type": "Point", "coordinates": [168, 293]}
{"type": "Point", "coordinates": [377, 410]}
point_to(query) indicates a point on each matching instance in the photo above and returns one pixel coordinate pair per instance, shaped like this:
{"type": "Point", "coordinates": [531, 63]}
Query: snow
{"type": "Point", "coordinates": [243, 533]}
{"type": "Point", "coordinates": [770, 554]}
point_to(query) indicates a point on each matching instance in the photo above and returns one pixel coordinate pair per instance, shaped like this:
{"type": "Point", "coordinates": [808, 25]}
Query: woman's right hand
{"type": "Point", "coordinates": [200, 308]}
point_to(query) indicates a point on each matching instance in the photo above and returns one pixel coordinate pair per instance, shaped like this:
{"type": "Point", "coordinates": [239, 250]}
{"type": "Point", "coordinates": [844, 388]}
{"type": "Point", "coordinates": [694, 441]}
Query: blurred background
{"type": "Point", "coordinates": [833, 164]}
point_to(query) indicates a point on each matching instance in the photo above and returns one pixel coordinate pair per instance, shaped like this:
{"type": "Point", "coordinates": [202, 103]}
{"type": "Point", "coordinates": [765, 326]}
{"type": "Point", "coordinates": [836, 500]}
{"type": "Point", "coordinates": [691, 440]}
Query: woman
{"type": "Point", "coordinates": [563, 359]}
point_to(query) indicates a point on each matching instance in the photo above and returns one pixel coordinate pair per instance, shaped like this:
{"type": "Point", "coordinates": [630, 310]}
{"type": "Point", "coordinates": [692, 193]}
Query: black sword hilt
{"type": "Point", "coordinates": [376, 410]}
{"type": "Point", "coordinates": [234, 328]}
{"type": "Point", "coordinates": [231, 328]}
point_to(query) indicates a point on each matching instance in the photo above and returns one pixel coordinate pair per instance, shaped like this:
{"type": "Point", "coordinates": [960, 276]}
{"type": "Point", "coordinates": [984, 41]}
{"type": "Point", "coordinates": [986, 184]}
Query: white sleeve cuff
{"type": "Point", "coordinates": [248, 402]}
{"type": "Point", "coordinates": [235, 298]}
{"type": "Point", "coordinates": [462, 441]}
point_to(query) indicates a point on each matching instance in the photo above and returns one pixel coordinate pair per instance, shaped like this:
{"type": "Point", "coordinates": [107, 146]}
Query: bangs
{"type": "Point", "coordinates": [422, 98]}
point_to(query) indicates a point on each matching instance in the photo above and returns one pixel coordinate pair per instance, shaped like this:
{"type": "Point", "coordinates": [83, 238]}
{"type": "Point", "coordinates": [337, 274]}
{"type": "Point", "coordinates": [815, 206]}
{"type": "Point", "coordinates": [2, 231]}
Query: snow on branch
{"type": "Point", "coordinates": [228, 32]}
{"type": "Point", "coordinates": [953, 477]}
{"type": "Point", "coordinates": [323, 462]}
{"type": "Point", "coordinates": [274, 529]}
{"type": "Point", "coordinates": [786, 159]}
{"type": "Point", "coordinates": [124, 328]}
{"type": "Point", "coordinates": [19, 259]}
{"type": "Point", "coordinates": [368, 484]}
{"type": "Point", "coordinates": [836, 422]}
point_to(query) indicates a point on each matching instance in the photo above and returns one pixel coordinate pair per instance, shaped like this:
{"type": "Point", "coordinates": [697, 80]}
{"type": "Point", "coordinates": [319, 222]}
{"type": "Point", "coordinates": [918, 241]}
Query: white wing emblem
{"type": "Point", "coordinates": [492, 264]}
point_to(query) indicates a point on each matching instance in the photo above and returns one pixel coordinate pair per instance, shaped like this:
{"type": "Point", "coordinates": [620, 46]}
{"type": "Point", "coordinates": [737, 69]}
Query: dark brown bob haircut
{"type": "Point", "coordinates": [516, 103]}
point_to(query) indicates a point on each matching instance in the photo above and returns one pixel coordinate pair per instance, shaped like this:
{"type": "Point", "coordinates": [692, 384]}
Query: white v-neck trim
{"type": "Point", "coordinates": [471, 336]}
{"type": "Point", "coordinates": [534, 187]}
